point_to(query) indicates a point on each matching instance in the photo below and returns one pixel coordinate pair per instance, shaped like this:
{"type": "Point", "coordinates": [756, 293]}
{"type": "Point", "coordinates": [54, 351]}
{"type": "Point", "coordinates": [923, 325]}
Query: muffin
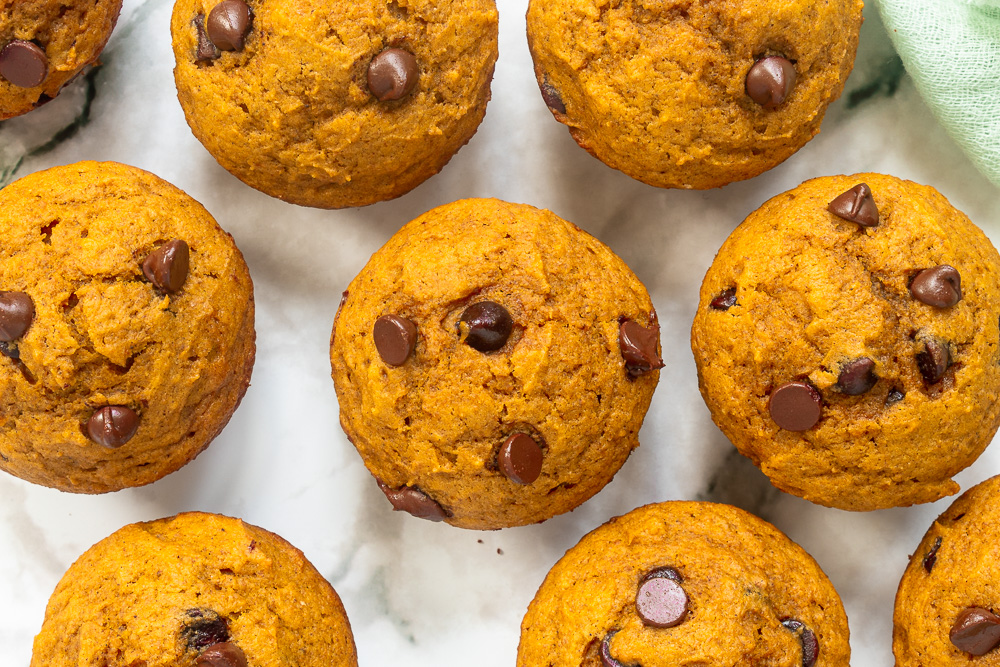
{"type": "Point", "coordinates": [493, 364]}
{"type": "Point", "coordinates": [846, 341]}
{"type": "Point", "coordinates": [682, 94]}
{"type": "Point", "coordinates": [45, 43]}
{"type": "Point", "coordinates": [126, 328]}
{"type": "Point", "coordinates": [334, 104]}
{"type": "Point", "coordinates": [948, 598]}
{"type": "Point", "coordinates": [685, 583]}
{"type": "Point", "coordinates": [195, 590]}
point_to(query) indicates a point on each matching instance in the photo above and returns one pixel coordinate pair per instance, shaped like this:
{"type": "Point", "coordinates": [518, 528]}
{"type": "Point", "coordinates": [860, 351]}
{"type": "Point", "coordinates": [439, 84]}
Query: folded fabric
{"type": "Point", "coordinates": [951, 48]}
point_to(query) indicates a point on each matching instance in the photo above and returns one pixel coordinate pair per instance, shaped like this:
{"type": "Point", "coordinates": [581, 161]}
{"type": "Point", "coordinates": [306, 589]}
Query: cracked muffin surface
{"type": "Point", "coordinates": [334, 104]}
{"type": "Point", "coordinates": [194, 590]}
{"type": "Point", "coordinates": [493, 364]}
{"type": "Point", "coordinates": [672, 92]}
{"type": "Point", "coordinates": [847, 341]}
{"type": "Point", "coordinates": [685, 583]}
{"type": "Point", "coordinates": [126, 328]}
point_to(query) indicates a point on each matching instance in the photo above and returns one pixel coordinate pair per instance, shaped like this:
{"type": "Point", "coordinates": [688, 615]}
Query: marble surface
{"type": "Point", "coordinates": [419, 593]}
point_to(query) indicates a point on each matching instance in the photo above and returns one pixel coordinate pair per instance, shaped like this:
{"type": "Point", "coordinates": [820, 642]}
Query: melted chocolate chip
{"type": "Point", "coordinates": [204, 628]}
{"type": "Point", "coordinates": [638, 347]}
{"type": "Point", "coordinates": [224, 654]}
{"type": "Point", "coordinates": [810, 646]}
{"type": "Point", "coordinates": [205, 51]}
{"type": "Point", "coordinates": [520, 459]}
{"type": "Point", "coordinates": [770, 80]}
{"type": "Point", "coordinates": [856, 205]}
{"type": "Point", "coordinates": [486, 325]}
{"type": "Point", "coordinates": [931, 556]}
{"type": "Point", "coordinates": [795, 406]}
{"type": "Point", "coordinates": [395, 337]}
{"type": "Point", "coordinates": [934, 360]}
{"type": "Point", "coordinates": [606, 658]}
{"type": "Point", "coordinates": [552, 99]}
{"type": "Point", "coordinates": [895, 396]}
{"type": "Point", "coordinates": [23, 64]}
{"type": "Point", "coordinates": [725, 300]}
{"type": "Point", "coordinates": [857, 376]}
{"type": "Point", "coordinates": [413, 500]}
{"type": "Point", "coordinates": [940, 286]}
{"type": "Point", "coordinates": [661, 601]}
{"type": "Point", "coordinates": [228, 24]}
{"type": "Point", "coordinates": [17, 310]}
{"type": "Point", "coordinates": [112, 426]}
{"type": "Point", "coordinates": [167, 266]}
{"type": "Point", "coordinates": [9, 351]}
{"type": "Point", "coordinates": [976, 631]}
{"type": "Point", "coordinates": [392, 74]}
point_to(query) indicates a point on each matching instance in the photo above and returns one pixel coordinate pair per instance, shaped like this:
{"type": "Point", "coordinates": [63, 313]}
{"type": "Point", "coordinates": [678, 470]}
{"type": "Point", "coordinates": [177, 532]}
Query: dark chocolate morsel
{"type": "Point", "coordinates": [725, 300]}
{"type": "Point", "coordinates": [228, 23]}
{"type": "Point", "coordinates": [976, 631]}
{"type": "Point", "coordinates": [520, 459]}
{"type": "Point", "coordinates": [661, 601]}
{"type": "Point", "coordinates": [486, 325]}
{"type": "Point", "coordinates": [638, 347]}
{"type": "Point", "coordinates": [392, 74]}
{"type": "Point", "coordinates": [167, 266]}
{"type": "Point", "coordinates": [552, 99]}
{"type": "Point", "coordinates": [810, 646]}
{"type": "Point", "coordinates": [395, 337]}
{"type": "Point", "coordinates": [606, 658]}
{"type": "Point", "coordinates": [204, 628]}
{"type": "Point", "coordinates": [224, 654]}
{"type": "Point", "coordinates": [770, 80]}
{"type": "Point", "coordinates": [856, 205]}
{"type": "Point", "coordinates": [24, 64]}
{"type": "Point", "coordinates": [665, 571]}
{"type": "Point", "coordinates": [940, 286]}
{"type": "Point", "coordinates": [413, 500]}
{"type": "Point", "coordinates": [857, 376]}
{"type": "Point", "coordinates": [9, 351]}
{"type": "Point", "coordinates": [934, 360]}
{"type": "Point", "coordinates": [795, 406]}
{"type": "Point", "coordinates": [895, 396]}
{"type": "Point", "coordinates": [17, 310]}
{"type": "Point", "coordinates": [112, 426]}
{"type": "Point", "coordinates": [205, 50]}
{"type": "Point", "coordinates": [931, 556]}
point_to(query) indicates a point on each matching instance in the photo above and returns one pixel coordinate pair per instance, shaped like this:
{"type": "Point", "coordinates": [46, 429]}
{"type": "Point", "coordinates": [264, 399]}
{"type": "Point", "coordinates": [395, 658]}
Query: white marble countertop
{"type": "Point", "coordinates": [419, 593]}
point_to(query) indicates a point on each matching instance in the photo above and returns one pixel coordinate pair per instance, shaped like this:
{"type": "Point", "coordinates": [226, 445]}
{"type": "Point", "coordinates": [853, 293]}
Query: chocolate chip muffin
{"type": "Point", "coordinates": [682, 94]}
{"type": "Point", "coordinates": [195, 590]}
{"type": "Point", "coordinates": [846, 341]}
{"type": "Point", "coordinates": [334, 104]}
{"type": "Point", "coordinates": [45, 43]}
{"type": "Point", "coordinates": [493, 364]}
{"type": "Point", "coordinates": [949, 598]}
{"type": "Point", "coordinates": [685, 583]}
{"type": "Point", "coordinates": [126, 328]}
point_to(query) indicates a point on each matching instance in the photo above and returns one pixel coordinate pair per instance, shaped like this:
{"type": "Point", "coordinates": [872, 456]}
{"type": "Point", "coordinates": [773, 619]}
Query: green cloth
{"type": "Point", "coordinates": [951, 48]}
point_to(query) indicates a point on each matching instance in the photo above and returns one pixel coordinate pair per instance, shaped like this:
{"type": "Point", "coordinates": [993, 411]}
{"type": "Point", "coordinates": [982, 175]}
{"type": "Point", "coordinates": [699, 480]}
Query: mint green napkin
{"type": "Point", "coordinates": [951, 48]}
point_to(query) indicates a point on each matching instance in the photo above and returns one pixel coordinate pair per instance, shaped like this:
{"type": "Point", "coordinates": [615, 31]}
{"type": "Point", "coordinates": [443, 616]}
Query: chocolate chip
{"type": "Point", "coordinates": [17, 310]}
{"type": "Point", "coordinates": [856, 205]}
{"type": "Point", "coordinates": [413, 500]}
{"type": "Point", "coordinates": [795, 406]}
{"type": "Point", "coordinates": [810, 646]}
{"type": "Point", "coordinates": [857, 376]}
{"type": "Point", "coordinates": [770, 81]}
{"type": "Point", "coordinates": [661, 601]}
{"type": "Point", "coordinates": [228, 24]}
{"type": "Point", "coordinates": [23, 63]}
{"type": "Point", "coordinates": [9, 351]}
{"type": "Point", "coordinates": [225, 654]}
{"type": "Point", "coordinates": [204, 628]}
{"type": "Point", "coordinates": [205, 49]}
{"type": "Point", "coordinates": [934, 360]}
{"type": "Point", "coordinates": [638, 347]}
{"type": "Point", "coordinates": [392, 74]}
{"type": "Point", "coordinates": [940, 286]}
{"type": "Point", "coordinates": [976, 631]}
{"type": "Point", "coordinates": [895, 396]}
{"type": "Point", "coordinates": [486, 326]}
{"type": "Point", "coordinates": [112, 426]}
{"type": "Point", "coordinates": [606, 658]}
{"type": "Point", "coordinates": [395, 337]}
{"type": "Point", "coordinates": [551, 97]}
{"type": "Point", "coordinates": [520, 459]}
{"type": "Point", "coordinates": [167, 266]}
{"type": "Point", "coordinates": [931, 556]}
{"type": "Point", "coordinates": [725, 300]}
